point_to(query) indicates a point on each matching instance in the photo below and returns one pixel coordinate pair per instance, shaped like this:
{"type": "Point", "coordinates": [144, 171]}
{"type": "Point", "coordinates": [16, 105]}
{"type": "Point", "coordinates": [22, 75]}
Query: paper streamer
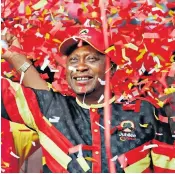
{"type": "Point", "coordinates": [107, 108]}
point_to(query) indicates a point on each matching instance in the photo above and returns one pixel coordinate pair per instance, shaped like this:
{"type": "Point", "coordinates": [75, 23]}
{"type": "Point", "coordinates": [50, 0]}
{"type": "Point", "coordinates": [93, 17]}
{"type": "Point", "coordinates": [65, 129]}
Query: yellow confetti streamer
{"type": "Point", "coordinates": [144, 125]}
{"type": "Point", "coordinates": [56, 40]}
{"type": "Point", "coordinates": [124, 55]}
{"type": "Point", "coordinates": [159, 102]}
{"type": "Point", "coordinates": [28, 10]}
{"type": "Point", "coordinates": [44, 12]}
{"type": "Point", "coordinates": [90, 159]}
{"type": "Point", "coordinates": [41, 19]}
{"type": "Point", "coordinates": [155, 115]}
{"type": "Point", "coordinates": [159, 6]}
{"type": "Point", "coordinates": [172, 58]}
{"type": "Point", "coordinates": [39, 4]}
{"type": "Point", "coordinates": [132, 46]}
{"type": "Point", "coordinates": [161, 58]}
{"type": "Point", "coordinates": [129, 71]}
{"type": "Point", "coordinates": [130, 85]}
{"type": "Point", "coordinates": [43, 160]}
{"type": "Point", "coordinates": [5, 164]}
{"type": "Point", "coordinates": [110, 20]}
{"type": "Point", "coordinates": [17, 18]}
{"type": "Point", "coordinates": [94, 14]}
{"type": "Point", "coordinates": [8, 75]}
{"type": "Point", "coordinates": [47, 36]}
{"type": "Point", "coordinates": [169, 90]}
{"type": "Point", "coordinates": [171, 13]}
{"type": "Point", "coordinates": [84, 7]}
{"type": "Point", "coordinates": [140, 56]}
{"type": "Point", "coordinates": [49, 85]}
{"type": "Point", "coordinates": [110, 49]}
{"type": "Point", "coordinates": [114, 10]}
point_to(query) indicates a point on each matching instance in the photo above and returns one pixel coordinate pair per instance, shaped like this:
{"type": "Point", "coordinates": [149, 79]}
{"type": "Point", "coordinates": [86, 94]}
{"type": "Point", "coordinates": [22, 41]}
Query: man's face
{"type": "Point", "coordinates": [84, 67]}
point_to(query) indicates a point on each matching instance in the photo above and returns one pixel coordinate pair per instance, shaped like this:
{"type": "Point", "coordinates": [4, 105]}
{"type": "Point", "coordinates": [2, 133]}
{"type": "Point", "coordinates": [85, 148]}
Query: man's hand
{"type": "Point", "coordinates": [10, 40]}
{"type": "Point", "coordinates": [32, 77]}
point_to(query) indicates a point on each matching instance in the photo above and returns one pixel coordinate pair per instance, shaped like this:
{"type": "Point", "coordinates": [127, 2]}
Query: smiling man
{"type": "Point", "coordinates": [89, 66]}
{"type": "Point", "coordinates": [71, 131]}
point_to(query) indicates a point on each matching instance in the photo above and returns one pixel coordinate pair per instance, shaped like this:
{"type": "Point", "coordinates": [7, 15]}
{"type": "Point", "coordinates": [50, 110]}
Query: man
{"type": "Point", "coordinates": [71, 131]}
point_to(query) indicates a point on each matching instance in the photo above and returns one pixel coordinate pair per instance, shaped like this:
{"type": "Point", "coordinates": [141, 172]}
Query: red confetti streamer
{"type": "Point", "coordinates": [107, 94]}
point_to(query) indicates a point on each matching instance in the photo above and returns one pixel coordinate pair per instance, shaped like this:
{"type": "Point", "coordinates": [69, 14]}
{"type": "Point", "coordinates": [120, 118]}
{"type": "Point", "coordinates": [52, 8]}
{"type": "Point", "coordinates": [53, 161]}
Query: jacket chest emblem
{"type": "Point", "coordinates": [127, 131]}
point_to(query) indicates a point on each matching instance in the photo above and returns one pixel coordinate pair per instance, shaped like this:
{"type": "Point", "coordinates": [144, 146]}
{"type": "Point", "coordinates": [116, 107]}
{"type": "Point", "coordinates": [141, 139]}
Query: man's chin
{"type": "Point", "coordinates": [82, 93]}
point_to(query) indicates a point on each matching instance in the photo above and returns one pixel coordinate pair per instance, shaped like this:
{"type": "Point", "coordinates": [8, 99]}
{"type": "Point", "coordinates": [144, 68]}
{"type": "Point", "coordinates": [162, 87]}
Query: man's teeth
{"type": "Point", "coordinates": [82, 78]}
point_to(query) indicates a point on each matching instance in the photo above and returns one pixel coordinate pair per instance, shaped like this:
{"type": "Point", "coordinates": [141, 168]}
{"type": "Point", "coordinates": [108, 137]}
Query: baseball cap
{"type": "Point", "coordinates": [92, 36]}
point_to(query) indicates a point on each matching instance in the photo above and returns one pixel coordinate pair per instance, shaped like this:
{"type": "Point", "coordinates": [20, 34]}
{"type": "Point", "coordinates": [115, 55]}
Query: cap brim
{"type": "Point", "coordinates": [67, 43]}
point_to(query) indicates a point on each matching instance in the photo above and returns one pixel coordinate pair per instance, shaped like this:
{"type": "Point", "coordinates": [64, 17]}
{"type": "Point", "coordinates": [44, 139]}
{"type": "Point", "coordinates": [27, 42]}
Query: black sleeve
{"type": "Point", "coordinates": [163, 131]}
{"type": "Point", "coordinates": [159, 122]}
{"type": "Point", "coordinates": [44, 99]}
{"type": "Point", "coordinates": [170, 112]}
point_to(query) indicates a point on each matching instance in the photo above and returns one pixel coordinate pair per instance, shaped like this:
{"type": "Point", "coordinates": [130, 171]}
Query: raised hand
{"type": "Point", "coordinates": [7, 41]}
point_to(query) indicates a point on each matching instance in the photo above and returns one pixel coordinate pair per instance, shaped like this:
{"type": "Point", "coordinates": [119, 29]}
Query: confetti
{"type": "Point", "coordinates": [2, 170]}
{"type": "Point", "coordinates": [22, 77]}
{"type": "Point", "coordinates": [114, 158]}
{"type": "Point", "coordinates": [132, 46]}
{"type": "Point", "coordinates": [20, 26]}
{"type": "Point", "coordinates": [55, 119]}
{"type": "Point", "coordinates": [4, 31]}
{"type": "Point", "coordinates": [102, 82]}
{"type": "Point", "coordinates": [141, 41]}
{"type": "Point", "coordinates": [14, 155]}
{"type": "Point", "coordinates": [90, 159]}
{"type": "Point", "coordinates": [45, 63]}
{"type": "Point", "coordinates": [39, 4]}
{"type": "Point", "coordinates": [151, 35]}
{"type": "Point", "coordinates": [100, 125]}
{"type": "Point", "coordinates": [149, 147]}
{"type": "Point", "coordinates": [143, 125]}
{"type": "Point", "coordinates": [80, 152]}
{"type": "Point", "coordinates": [159, 133]}
{"type": "Point", "coordinates": [83, 164]}
{"type": "Point", "coordinates": [53, 70]}
{"type": "Point", "coordinates": [33, 143]}
{"type": "Point", "coordinates": [100, 99]}
{"type": "Point", "coordinates": [37, 34]}
{"type": "Point", "coordinates": [4, 44]}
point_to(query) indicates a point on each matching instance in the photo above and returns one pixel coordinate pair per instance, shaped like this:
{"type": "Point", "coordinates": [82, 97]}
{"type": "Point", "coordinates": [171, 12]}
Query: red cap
{"type": "Point", "coordinates": [92, 36]}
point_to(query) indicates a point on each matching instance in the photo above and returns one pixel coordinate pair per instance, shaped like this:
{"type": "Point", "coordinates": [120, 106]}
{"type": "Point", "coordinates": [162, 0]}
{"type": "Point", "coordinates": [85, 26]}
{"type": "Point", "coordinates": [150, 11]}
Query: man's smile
{"type": "Point", "coordinates": [82, 79]}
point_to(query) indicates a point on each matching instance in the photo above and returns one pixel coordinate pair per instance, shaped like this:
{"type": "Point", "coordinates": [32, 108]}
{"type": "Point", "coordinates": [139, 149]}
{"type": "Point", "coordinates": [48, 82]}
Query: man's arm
{"type": "Point", "coordinates": [31, 77]}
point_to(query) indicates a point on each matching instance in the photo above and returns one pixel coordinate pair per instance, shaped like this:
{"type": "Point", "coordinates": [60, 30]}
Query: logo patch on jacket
{"type": "Point", "coordinates": [127, 130]}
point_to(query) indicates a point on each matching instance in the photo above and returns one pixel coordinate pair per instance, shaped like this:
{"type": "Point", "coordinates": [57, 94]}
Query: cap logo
{"type": "Point", "coordinates": [84, 31]}
{"type": "Point", "coordinates": [83, 34]}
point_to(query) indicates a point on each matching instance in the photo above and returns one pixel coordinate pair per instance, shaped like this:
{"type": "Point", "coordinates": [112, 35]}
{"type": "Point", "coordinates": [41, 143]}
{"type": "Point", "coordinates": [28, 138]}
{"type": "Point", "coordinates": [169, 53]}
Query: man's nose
{"type": "Point", "coordinates": [82, 67]}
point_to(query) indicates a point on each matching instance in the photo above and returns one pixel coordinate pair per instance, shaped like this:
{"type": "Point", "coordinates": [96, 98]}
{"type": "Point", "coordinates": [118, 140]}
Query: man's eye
{"type": "Point", "coordinates": [92, 59]}
{"type": "Point", "coordinates": [73, 59]}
